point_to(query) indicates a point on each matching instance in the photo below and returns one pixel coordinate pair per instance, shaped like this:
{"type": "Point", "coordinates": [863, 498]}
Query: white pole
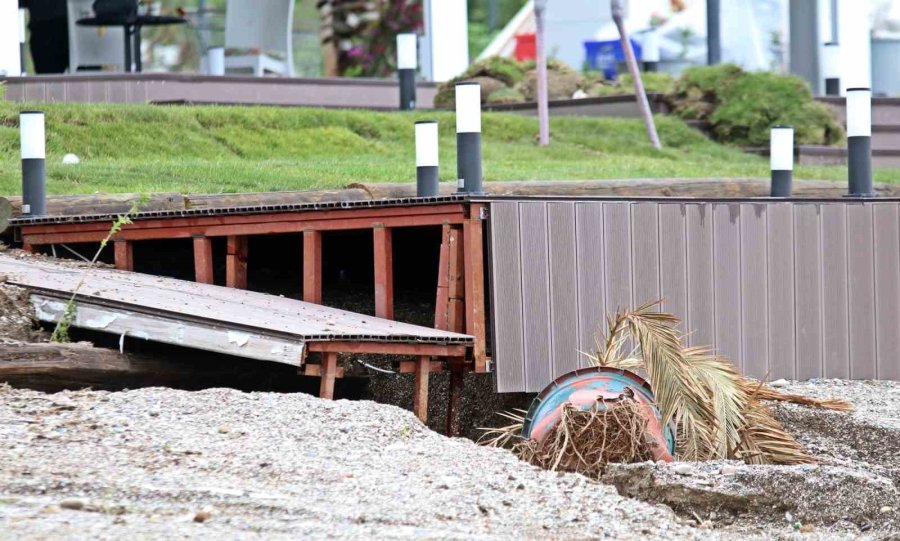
{"type": "Point", "coordinates": [32, 143]}
{"type": "Point", "coordinates": [216, 60]}
{"type": "Point", "coordinates": [540, 12]}
{"type": "Point", "coordinates": [427, 177]}
{"type": "Point", "coordinates": [781, 160]}
{"type": "Point", "coordinates": [10, 63]}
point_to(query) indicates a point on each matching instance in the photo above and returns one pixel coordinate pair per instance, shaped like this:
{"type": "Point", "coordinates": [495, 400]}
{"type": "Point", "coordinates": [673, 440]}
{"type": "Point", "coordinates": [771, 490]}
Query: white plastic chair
{"type": "Point", "coordinates": [90, 47]}
{"type": "Point", "coordinates": [263, 27]}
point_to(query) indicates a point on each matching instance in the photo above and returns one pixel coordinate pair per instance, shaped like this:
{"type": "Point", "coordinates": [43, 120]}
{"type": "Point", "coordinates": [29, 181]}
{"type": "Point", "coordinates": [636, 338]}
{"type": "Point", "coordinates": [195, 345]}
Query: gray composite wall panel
{"type": "Point", "coordinates": [784, 289]}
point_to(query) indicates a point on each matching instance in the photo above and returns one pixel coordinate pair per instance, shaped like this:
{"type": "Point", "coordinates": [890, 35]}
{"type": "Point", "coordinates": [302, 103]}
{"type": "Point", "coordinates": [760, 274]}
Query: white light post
{"type": "Point", "coordinates": [468, 137]}
{"type": "Point", "coordinates": [407, 64]}
{"type": "Point", "coordinates": [650, 50]}
{"type": "Point", "coordinates": [427, 178]}
{"type": "Point", "coordinates": [22, 41]}
{"type": "Point", "coordinates": [859, 142]}
{"type": "Point", "coordinates": [215, 60]}
{"type": "Point", "coordinates": [34, 176]}
{"type": "Point", "coordinates": [781, 160]}
{"type": "Point", "coordinates": [831, 68]}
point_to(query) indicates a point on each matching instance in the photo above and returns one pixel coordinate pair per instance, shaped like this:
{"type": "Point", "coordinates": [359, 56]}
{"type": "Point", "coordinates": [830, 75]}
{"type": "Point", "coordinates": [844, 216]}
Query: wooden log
{"type": "Point", "coordinates": [106, 203]}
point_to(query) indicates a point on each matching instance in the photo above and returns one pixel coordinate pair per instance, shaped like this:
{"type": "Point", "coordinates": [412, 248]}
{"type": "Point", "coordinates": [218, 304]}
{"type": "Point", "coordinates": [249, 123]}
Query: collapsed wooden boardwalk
{"type": "Point", "coordinates": [234, 322]}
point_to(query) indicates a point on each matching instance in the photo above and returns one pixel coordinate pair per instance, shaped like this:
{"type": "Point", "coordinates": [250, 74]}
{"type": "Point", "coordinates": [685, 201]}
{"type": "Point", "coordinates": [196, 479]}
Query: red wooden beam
{"type": "Point", "coordinates": [124, 254]}
{"type": "Point", "coordinates": [474, 283]}
{"type": "Point", "coordinates": [384, 272]}
{"type": "Point", "coordinates": [420, 393]}
{"type": "Point", "coordinates": [329, 372]}
{"type": "Point", "coordinates": [236, 262]}
{"type": "Point", "coordinates": [203, 260]}
{"type": "Point", "coordinates": [443, 295]}
{"type": "Point", "coordinates": [312, 266]}
{"type": "Point", "coordinates": [456, 282]}
{"type": "Point", "coordinates": [390, 348]}
{"type": "Point", "coordinates": [227, 229]}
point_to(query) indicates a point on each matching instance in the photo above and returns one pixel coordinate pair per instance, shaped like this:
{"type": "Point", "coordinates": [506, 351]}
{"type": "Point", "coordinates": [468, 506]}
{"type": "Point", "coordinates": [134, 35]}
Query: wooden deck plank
{"type": "Point", "coordinates": [887, 289]}
{"type": "Point", "coordinates": [506, 299]}
{"type": "Point", "coordinates": [536, 295]}
{"type": "Point", "coordinates": [267, 314]}
{"type": "Point", "coordinates": [673, 261]}
{"type": "Point", "coordinates": [563, 289]}
{"type": "Point", "coordinates": [727, 280]}
{"type": "Point", "coordinates": [589, 236]}
{"type": "Point", "coordinates": [835, 331]}
{"type": "Point", "coordinates": [861, 286]}
{"type": "Point", "coordinates": [701, 326]}
{"type": "Point", "coordinates": [754, 306]}
{"type": "Point", "coordinates": [808, 290]}
{"type": "Point", "coordinates": [780, 225]}
{"type": "Point", "coordinates": [645, 247]}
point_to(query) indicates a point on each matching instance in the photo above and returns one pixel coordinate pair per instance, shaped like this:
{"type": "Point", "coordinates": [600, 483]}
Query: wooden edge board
{"type": "Point", "coordinates": [177, 332]}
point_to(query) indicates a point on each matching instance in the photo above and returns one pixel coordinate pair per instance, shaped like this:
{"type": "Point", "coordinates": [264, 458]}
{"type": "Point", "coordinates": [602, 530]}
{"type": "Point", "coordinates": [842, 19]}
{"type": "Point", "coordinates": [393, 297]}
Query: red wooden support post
{"type": "Point", "coordinates": [312, 266]}
{"type": "Point", "coordinates": [456, 282]}
{"type": "Point", "coordinates": [420, 394]}
{"type": "Point", "coordinates": [474, 269]}
{"type": "Point", "coordinates": [203, 261]}
{"type": "Point", "coordinates": [236, 262]}
{"type": "Point", "coordinates": [384, 272]}
{"type": "Point", "coordinates": [454, 397]}
{"type": "Point", "coordinates": [27, 247]}
{"type": "Point", "coordinates": [443, 287]}
{"type": "Point", "coordinates": [124, 252]}
{"type": "Point", "coordinates": [329, 371]}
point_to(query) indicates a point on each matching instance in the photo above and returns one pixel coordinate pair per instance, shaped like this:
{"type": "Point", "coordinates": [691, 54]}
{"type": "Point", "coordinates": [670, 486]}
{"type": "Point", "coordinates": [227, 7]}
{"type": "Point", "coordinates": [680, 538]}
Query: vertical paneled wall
{"type": "Point", "coordinates": [784, 289]}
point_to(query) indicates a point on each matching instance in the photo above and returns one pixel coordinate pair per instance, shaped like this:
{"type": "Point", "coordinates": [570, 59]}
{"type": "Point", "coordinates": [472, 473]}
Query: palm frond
{"type": "Point", "coordinates": [768, 393]}
{"type": "Point", "coordinates": [728, 397]}
{"type": "Point", "coordinates": [765, 441]}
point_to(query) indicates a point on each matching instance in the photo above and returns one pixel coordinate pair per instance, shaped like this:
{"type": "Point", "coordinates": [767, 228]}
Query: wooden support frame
{"type": "Point", "coordinates": [390, 348]}
{"type": "Point", "coordinates": [124, 255]}
{"type": "Point", "coordinates": [442, 299]}
{"type": "Point", "coordinates": [236, 262]}
{"type": "Point", "coordinates": [456, 316]}
{"type": "Point", "coordinates": [312, 266]}
{"type": "Point", "coordinates": [420, 392]}
{"type": "Point", "coordinates": [473, 237]}
{"type": "Point", "coordinates": [384, 271]}
{"type": "Point", "coordinates": [329, 372]}
{"type": "Point", "coordinates": [203, 260]}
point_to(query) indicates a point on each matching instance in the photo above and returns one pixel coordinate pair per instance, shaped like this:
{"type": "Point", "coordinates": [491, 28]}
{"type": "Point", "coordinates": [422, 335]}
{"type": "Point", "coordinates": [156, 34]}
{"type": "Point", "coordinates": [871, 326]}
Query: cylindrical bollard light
{"type": "Point", "coordinates": [831, 68]}
{"type": "Point", "coordinates": [427, 182]}
{"type": "Point", "coordinates": [215, 60]}
{"type": "Point", "coordinates": [407, 63]}
{"type": "Point", "coordinates": [468, 137]}
{"type": "Point", "coordinates": [34, 175]}
{"type": "Point", "coordinates": [22, 40]}
{"type": "Point", "coordinates": [859, 142]}
{"type": "Point", "coordinates": [650, 50]}
{"type": "Point", "coordinates": [781, 160]}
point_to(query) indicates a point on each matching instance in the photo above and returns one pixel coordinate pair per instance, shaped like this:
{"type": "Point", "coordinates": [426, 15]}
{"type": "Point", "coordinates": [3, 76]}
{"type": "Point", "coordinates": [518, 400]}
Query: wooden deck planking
{"type": "Point", "coordinates": [673, 261]}
{"type": "Point", "coordinates": [209, 303]}
{"type": "Point", "coordinates": [780, 226]}
{"type": "Point", "coordinates": [589, 235]}
{"type": "Point", "coordinates": [536, 295]}
{"type": "Point", "coordinates": [835, 330]}
{"type": "Point", "coordinates": [808, 290]}
{"type": "Point", "coordinates": [861, 282]}
{"type": "Point", "coordinates": [563, 287]}
{"type": "Point", "coordinates": [887, 289]}
{"type": "Point", "coordinates": [701, 326]}
{"type": "Point", "coordinates": [619, 258]}
{"type": "Point", "coordinates": [727, 280]}
{"type": "Point", "coordinates": [754, 280]}
{"type": "Point", "coordinates": [506, 276]}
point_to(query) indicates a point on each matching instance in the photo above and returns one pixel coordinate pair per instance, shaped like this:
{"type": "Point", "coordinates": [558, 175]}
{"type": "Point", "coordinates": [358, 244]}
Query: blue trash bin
{"type": "Point", "coordinates": [605, 55]}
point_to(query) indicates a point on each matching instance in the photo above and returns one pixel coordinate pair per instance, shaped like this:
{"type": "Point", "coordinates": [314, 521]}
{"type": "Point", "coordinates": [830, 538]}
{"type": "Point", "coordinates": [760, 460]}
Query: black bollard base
{"type": "Point", "coordinates": [832, 87]}
{"type": "Point", "coordinates": [407, 89]}
{"type": "Point", "coordinates": [427, 181]}
{"type": "Point", "coordinates": [782, 182]}
{"type": "Point", "coordinates": [859, 166]}
{"type": "Point", "coordinates": [468, 162]}
{"type": "Point", "coordinates": [34, 187]}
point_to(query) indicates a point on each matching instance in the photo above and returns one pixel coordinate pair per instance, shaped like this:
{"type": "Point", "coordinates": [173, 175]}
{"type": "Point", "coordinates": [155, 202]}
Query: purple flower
{"type": "Point", "coordinates": [355, 52]}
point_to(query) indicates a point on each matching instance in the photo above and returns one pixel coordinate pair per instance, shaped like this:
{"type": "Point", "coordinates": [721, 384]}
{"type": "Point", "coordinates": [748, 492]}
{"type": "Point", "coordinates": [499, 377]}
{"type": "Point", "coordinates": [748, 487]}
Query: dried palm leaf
{"type": "Point", "coordinates": [728, 397]}
{"type": "Point", "coordinates": [505, 436]}
{"type": "Point", "coordinates": [768, 393]}
{"type": "Point", "coordinates": [765, 441]}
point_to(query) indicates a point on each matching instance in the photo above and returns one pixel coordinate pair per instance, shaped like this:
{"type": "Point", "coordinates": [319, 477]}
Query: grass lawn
{"type": "Point", "coordinates": [148, 148]}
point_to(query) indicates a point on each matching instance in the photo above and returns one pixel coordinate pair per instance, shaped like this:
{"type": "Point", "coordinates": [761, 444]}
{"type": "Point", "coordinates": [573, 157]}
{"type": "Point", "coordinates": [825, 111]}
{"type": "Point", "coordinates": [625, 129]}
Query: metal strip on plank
{"type": "Point", "coordinates": [701, 318]}
{"type": "Point", "coordinates": [509, 344]}
{"type": "Point", "coordinates": [673, 261]}
{"type": "Point", "coordinates": [808, 290]}
{"type": "Point", "coordinates": [861, 287]}
{"type": "Point", "coordinates": [727, 280]}
{"type": "Point", "coordinates": [535, 295]}
{"type": "Point", "coordinates": [835, 329]}
{"type": "Point", "coordinates": [645, 250]}
{"type": "Point", "coordinates": [754, 281]}
{"type": "Point", "coordinates": [563, 288]}
{"type": "Point", "coordinates": [780, 226]}
{"type": "Point", "coordinates": [591, 269]}
{"type": "Point", "coordinates": [887, 289]}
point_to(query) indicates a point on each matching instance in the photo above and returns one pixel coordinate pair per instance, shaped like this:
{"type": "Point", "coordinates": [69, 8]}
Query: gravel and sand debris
{"type": "Point", "coordinates": [159, 463]}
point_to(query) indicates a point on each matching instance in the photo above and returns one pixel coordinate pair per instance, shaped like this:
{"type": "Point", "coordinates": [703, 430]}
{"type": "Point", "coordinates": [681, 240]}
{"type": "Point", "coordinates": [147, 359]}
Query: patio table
{"type": "Point", "coordinates": [132, 26]}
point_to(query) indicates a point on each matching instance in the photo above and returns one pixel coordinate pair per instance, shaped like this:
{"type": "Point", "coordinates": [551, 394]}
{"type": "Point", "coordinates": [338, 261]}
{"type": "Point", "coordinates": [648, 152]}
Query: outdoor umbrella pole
{"type": "Point", "coordinates": [640, 95]}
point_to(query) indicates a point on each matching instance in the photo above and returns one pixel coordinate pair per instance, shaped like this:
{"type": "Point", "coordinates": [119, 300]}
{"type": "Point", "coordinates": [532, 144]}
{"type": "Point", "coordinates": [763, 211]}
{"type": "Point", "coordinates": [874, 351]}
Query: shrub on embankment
{"type": "Point", "coordinates": [737, 106]}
